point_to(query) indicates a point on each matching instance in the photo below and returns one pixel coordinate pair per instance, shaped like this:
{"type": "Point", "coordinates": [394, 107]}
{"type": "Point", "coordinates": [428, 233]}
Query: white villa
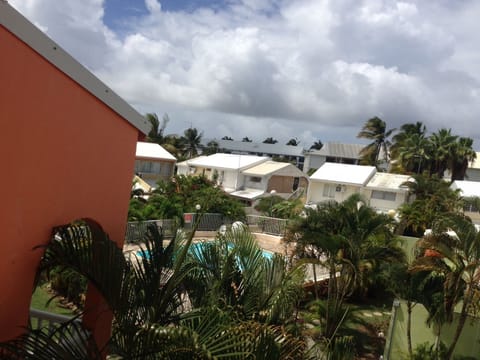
{"type": "Point", "coordinates": [382, 191]}
{"type": "Point", "coordinates": [333, 181]}
{"type": "Point", "coordinates": [247, 177]}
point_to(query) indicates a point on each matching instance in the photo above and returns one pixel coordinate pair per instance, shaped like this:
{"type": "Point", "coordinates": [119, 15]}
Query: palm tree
{"type": "Point", "coordinates": [146, 295]}
{"type": "Point", "coordinates": [352, 241]}
{"type": "Point", "coordinates": [232, 272]}
{"type": "Point", "coordinates": [442, 144]}
{"type": "Point", "coordinates": [405, 131]}
{"type": "Point", "coordinates": [227, 138]}
{"type": "Point", "coordinates": [191, 142]}
{"type": "Point", "coordinates": [246, 139]}
{"type": "Point", "coordinates": [317, 145]}
{"type": "Point", "coordinates": [211, 148]}
{"type": "Point", "coordinates": [462, 154]}
{"type": "Point", "coordinates": [293, 142]}
{"type": "Point", "coordinates": [413, 154]}
{"type": "Point", "coordinates": [375, 129]}
{"type": "Point", "coordinates": [157, 130]}
{"type": "Point", "coordinates": [434, 200]}
{"type": "Point", "coordinates": [270, 140]}
{"type": "Point", "coordinates": [456, 258]}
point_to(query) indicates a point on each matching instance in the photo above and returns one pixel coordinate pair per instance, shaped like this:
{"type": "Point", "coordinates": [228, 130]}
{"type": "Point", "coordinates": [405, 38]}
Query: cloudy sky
{"type": "Point", "coordinates": [311, 69]}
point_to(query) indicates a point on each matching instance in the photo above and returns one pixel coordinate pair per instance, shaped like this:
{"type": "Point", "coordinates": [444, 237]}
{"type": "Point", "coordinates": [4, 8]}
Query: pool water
{"type": "Point", "coordinates": [266, 254]}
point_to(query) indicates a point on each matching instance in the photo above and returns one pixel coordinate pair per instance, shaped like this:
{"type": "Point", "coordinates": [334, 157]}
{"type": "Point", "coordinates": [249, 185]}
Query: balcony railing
{"type": "Point", "coordinates": [49, 321]}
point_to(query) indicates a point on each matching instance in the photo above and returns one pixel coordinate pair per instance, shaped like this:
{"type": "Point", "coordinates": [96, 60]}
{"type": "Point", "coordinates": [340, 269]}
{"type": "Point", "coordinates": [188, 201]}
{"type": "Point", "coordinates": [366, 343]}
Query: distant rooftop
{"type": "Point", "coordinates": [256, 147]}
{"type": "Point", "coordinates": [152, 151]}
{"type": "Point", "coordinates": [344, 174]}
{"type": "Point", "coordinates": [335, 149]}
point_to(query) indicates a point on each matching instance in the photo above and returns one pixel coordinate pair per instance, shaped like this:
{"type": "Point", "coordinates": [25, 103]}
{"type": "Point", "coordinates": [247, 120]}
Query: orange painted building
{"type": "Point", "coordinates": [64, 133]}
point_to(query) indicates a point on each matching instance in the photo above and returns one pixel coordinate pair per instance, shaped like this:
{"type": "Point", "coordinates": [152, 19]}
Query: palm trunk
{"type": "Point", "coordinates": [461, 321]}
{"type": "Point", "coordinates": [315, 289]}
{"type": "Point", "coordinates": [437, 339]}
{"type": "Point", "coordinates": [409, 327]}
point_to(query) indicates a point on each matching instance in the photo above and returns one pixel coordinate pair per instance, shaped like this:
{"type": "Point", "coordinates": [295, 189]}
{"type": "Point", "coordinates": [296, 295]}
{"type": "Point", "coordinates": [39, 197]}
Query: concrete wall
{"type": "Point", "coordinates": [384, 205]}
{"type": "Point", "coordinates": [316, 190]}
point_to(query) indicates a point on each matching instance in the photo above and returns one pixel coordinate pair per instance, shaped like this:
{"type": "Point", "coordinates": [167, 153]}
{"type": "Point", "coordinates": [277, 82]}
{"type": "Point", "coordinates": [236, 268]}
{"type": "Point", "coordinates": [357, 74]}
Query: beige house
{"type": "Point", "coordinates": [334, 181]}
{"type": "Point", "coordinates": [153, 163]}
{"type": "Point", "coordinates": [385, 191]}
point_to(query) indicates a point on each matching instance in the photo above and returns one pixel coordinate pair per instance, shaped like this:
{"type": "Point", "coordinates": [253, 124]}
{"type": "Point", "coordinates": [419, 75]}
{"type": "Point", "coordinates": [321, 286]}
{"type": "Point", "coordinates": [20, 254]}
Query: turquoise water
{"type": "Point", "coordinates": [266, 254]}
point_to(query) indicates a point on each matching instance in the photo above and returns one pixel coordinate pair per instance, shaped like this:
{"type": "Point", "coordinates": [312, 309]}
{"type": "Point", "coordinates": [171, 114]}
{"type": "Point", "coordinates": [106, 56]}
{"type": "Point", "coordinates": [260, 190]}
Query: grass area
{"type": "Point", "coordinates": [39, 301]}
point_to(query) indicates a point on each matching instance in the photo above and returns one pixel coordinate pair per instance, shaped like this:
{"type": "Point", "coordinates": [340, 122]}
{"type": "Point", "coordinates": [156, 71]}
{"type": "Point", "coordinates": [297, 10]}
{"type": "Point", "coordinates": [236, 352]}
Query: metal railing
{"type": "Point", "coordinates": [49, 321]}
{"type": "Point", "coordinates": [267, 225]}
{"type": "Point", "coordinates": [208, 221]}
{"type": "Point", "coordinates": [136, 230]}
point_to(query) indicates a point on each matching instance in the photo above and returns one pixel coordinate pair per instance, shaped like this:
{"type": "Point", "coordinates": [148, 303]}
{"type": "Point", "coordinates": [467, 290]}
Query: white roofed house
{"type": "Point", "coordinates": [469, 190]}
{"type": "Point", "coordinates": [386, 192]}
{"type": "Point", "coordinates": [153, 163]}
{"type": "Point", "coordinates": [333, 181]}
{"type": "Point", "coordinates": [224, 169]}
{"type": "Point", "coordinates": [247, 177]}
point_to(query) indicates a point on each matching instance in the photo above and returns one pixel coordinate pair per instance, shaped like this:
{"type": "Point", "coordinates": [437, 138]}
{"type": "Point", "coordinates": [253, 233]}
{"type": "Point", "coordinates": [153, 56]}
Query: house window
{"type": "Point", "coordinates": [147, 167]}
{"type": "Point", "coordinates": [384, 195]}
{"type": "Point", "coordinates": [255, 179]}
{"type": "Point", "coordinates": [329, 190]}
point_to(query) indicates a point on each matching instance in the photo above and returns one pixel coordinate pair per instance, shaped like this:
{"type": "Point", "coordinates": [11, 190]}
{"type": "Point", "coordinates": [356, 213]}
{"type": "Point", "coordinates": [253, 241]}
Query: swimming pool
{"type": "Point", "coordinates": [199, 245]}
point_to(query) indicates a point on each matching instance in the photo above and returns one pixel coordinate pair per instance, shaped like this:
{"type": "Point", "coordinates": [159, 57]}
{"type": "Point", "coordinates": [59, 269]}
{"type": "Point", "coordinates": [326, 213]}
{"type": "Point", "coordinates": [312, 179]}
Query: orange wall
{"type": "Point", "coordinates": [64, 155]}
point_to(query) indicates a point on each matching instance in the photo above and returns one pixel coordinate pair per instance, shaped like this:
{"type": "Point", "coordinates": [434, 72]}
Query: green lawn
{"type": "Point", "coordinates": [39, 301]}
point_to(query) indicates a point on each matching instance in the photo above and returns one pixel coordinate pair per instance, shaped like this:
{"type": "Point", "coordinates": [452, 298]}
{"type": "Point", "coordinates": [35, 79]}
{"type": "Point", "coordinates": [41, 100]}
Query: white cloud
{"type": "Point", "coordinates": [315, 69]}
{"type": "Point", "coordinates": [153, 6]}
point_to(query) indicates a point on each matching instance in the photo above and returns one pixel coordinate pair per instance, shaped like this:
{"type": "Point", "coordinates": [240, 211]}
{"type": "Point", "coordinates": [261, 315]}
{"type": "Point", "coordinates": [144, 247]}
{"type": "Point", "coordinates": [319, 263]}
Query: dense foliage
{"type": "Point", "coordinates": [147, 297]}
{"type": "Point", "coordinates": [172, 198]}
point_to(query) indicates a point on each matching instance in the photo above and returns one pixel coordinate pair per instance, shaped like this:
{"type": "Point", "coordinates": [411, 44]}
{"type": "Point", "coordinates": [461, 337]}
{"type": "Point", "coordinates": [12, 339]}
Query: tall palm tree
{"type": "Point", "coordinates": [352, 241]}
{"type": "Point", "coordinates": [442, 144]}
{"type": "Point", "coordinates": [405, 131]}
{"type": "Point", "coordinates": [375, 129]}
{"type": "Point", "coordinates": [433, 201]}
{"type": "Point", "coordinates": [454, 255]}
{"type": "Point", "coordinates": [413, 154]}
{"type": "Point", "coordinates": [462, 155]}
{"type": "Point", "coordinates": [157, 130]}
{"type": "Point", "coordinates": [191, 142]}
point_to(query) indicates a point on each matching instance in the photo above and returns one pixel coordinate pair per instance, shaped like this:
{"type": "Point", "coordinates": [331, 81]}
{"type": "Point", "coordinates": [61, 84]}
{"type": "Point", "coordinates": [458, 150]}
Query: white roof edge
{"type": "Point", "coordinates": [22, 28]}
